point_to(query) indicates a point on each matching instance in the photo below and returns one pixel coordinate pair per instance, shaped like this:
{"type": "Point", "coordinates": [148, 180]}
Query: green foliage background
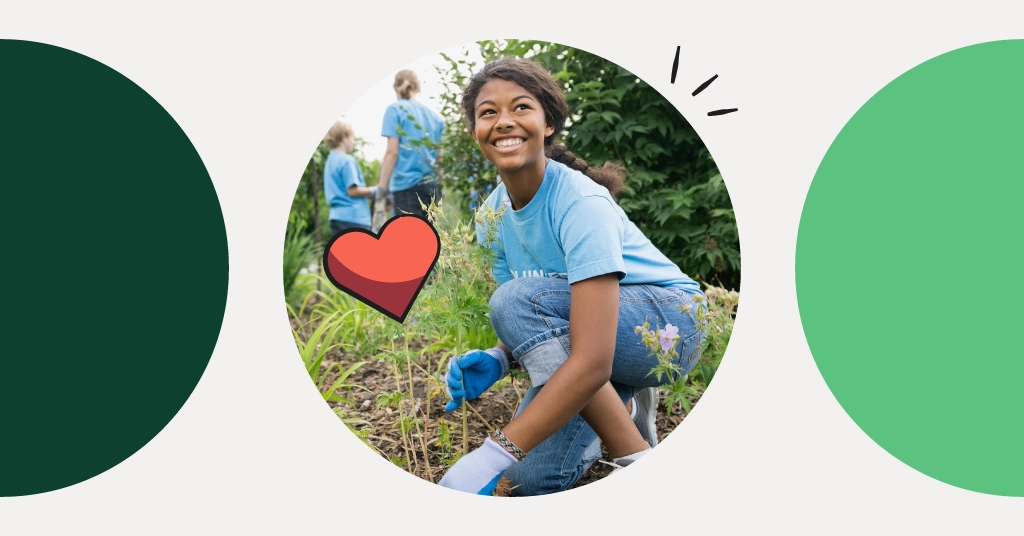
{"type": "Point", "coordinates": [674, 191]}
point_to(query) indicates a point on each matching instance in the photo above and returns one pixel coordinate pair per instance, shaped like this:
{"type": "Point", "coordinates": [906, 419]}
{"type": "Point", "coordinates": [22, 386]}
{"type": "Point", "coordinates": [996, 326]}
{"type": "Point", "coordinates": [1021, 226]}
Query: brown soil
{"type": "Point", "coordinates": [379, 425]}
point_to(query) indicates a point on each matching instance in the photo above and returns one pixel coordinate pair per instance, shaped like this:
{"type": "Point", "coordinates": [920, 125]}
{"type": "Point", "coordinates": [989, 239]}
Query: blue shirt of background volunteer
{"type": "Point", "coordinates": [411, 121]}
{"type": "Point", "coordinates": [573, 229]}
{"type": "Point", "coordinates": [341, 172]}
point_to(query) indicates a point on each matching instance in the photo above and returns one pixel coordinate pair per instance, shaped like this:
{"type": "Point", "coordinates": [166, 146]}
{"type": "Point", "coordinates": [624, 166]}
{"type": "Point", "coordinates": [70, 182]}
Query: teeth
{"type": "Point", "coordinates": [508, 143]}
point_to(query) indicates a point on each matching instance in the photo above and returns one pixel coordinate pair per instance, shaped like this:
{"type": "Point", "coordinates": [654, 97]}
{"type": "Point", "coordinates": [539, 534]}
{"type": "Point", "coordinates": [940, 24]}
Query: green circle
{"type": "Point", "coordinates": [115, 268]}
{"type": "Point", "coordinates": [909, 268]}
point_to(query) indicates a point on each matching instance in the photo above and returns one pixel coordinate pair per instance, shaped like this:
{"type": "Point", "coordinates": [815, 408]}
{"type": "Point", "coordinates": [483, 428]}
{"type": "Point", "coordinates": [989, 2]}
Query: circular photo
{"type": "Point", "coordinates": [512, 268]}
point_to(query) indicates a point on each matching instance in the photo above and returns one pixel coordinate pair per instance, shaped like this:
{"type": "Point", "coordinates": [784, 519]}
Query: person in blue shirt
{"type": "Point", "coordinates": [344, 188]}
{"type": "Point", "coordinates": [414, 131]}
{"type": "Point", "coordinates": [563, 244]}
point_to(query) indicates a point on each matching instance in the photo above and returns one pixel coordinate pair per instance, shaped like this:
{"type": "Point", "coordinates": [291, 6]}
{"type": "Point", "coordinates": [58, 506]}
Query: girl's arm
{"type": "Point", "coordinates": [592, 325]}
{"type": "Point", "coordinates": [508, 353]}
{"type": "Point", "coordinates": [355, 191]}
{"type": "Point", "coordinates": [387, 165]}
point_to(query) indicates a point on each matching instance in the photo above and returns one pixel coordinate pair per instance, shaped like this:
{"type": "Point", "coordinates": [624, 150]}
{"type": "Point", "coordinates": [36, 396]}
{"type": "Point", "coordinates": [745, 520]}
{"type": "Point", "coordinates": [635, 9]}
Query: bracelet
{"type": "Point", "coordinates": [508, 445]}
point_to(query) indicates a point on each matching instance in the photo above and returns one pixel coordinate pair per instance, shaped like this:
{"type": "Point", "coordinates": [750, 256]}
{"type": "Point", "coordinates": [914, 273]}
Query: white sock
{"type": "Point", "coordinates": [626, 460]}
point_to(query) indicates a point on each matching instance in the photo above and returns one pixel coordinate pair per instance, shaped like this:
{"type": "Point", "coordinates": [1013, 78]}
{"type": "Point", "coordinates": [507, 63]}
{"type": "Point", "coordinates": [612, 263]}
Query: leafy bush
{"type": "Point", "coordinates": [674, 191]}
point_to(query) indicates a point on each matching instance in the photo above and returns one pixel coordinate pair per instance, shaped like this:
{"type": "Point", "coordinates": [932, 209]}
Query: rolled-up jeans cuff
{"type": "Point", "coordinates": [543, 358]}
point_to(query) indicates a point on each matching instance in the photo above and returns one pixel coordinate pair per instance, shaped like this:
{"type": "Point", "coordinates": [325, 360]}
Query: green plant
{"type": "Point", "coordinates": [716, 314]}
{"type": "Point", "coordinates": [341, 382]}
{"type": "Point", "coordinates": [661, 342]}
{"type": "Point", "coordinates": [314, 348]}
{"type": "Point", "coordinates": [299, 250]}
{"type": "Point", "coordinates": [718, 317]}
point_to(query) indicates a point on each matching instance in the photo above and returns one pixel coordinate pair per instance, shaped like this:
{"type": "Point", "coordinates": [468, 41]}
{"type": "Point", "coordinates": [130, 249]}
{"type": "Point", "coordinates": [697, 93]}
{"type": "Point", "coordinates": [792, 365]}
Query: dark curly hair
{"type": "Point", "coordinates": [536, 79]}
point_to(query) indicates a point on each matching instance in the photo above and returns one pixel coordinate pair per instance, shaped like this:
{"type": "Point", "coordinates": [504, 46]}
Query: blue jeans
{"type": "Point", "coordinates": [531, 316]}
{"type": "Point", "coordinates": [338, 226]}
{"type": "Point", "coordinates": [408, 201]}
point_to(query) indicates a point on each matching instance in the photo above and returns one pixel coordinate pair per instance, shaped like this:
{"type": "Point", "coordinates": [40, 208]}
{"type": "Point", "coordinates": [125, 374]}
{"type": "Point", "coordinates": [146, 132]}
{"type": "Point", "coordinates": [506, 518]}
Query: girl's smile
{"type": "Point", "coordinates": [508, 144]}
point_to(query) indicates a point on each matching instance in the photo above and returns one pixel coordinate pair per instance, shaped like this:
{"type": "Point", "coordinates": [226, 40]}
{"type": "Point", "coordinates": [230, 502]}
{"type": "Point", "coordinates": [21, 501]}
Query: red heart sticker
{"type": "Point", "coordinates": [385, 271]}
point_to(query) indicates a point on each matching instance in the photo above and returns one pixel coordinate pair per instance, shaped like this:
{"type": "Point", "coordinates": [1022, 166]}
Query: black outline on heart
{"type": "Point", "coordinates": [376, 236]}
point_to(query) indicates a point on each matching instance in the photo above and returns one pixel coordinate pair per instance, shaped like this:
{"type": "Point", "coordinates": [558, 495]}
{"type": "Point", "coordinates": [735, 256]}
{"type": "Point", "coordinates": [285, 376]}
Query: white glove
{"type": "Point", "coordinates": [478, 472]}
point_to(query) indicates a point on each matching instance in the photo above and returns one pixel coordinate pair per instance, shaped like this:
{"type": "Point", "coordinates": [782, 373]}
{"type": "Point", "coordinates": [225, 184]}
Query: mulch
{"type": "Point", "coordinates": [381, 431]}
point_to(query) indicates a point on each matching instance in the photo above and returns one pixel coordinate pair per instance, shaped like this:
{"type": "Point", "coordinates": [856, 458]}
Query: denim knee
{"type": "Point", "coordinates": [531, 316]}
{"type": "Point", "coordinates": [513, 314]}
{"type": "Point", "coordinates": [503, 307]}
{"type": "Point", "coordinates": [505, 299]}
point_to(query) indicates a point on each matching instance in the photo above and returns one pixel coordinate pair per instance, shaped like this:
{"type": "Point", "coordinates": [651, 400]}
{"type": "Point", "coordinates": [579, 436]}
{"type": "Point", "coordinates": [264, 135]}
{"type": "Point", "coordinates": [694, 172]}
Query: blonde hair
{"type": "Point", "coordinates": [339, 131]}
{"type": "Point", "coordinates": [407, 83]}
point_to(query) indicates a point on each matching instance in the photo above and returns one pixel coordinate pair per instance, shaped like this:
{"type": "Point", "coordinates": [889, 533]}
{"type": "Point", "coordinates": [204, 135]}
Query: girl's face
{"type": "Point", "coordinates": [510, 126]}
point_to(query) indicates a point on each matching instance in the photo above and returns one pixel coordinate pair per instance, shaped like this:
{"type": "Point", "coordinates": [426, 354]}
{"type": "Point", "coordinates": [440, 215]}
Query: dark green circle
{"type": "Point", "coordinates": [115, 268]}
{"type": "Point", "coordinates": [910, 267]}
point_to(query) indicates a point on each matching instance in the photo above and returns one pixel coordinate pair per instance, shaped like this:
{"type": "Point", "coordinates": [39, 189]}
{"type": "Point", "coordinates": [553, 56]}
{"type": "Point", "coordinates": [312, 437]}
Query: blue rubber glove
{"type": "Point", "coordinates": [478, 472]}
{"type": "Point", "coordinates": [472, 373]}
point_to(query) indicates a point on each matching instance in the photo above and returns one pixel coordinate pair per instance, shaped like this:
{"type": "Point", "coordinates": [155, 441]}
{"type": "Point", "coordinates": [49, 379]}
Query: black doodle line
{"type": "Point", "coordinates": [702, 87]}
{"type": "Point", "coordinates": [675, 65]}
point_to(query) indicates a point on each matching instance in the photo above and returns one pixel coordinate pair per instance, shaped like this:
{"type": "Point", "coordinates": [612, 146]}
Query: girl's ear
{"type": "Point", "coordinates": [548, 130]}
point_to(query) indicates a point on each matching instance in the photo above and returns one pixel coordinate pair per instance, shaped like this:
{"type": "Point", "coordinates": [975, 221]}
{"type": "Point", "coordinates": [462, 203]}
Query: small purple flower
{"type": "Point", "coordinates": [668, 337]}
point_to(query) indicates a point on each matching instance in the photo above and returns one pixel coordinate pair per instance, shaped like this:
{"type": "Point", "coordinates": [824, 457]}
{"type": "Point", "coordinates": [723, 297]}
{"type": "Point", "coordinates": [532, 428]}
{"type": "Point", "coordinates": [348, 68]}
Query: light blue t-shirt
{"type": "Point", "coordinates": [411, 121]}
{"type": "Point", "coordinates": [341, 172]}
{"type": "Point", "coordinates": [573, 229]}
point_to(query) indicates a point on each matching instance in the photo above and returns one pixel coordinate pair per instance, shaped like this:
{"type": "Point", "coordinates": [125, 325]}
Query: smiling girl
{"type": "Point", "coordinates": [563, 246]}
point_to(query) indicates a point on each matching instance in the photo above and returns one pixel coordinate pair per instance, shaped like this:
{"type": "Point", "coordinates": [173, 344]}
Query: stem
{"type": "Point", "coordinates": [401, 417]}
{"type": "Point", "coordinates": [423, 370]}
{"type": "Point", "coordinates": [516, 387]}
{"type": "Point", "coordinates": [423, 444]}
{"type": "Point", "coordinates": [482, 419]}
{"type": "Point", "coordinates": [505, 403]}
{"type": "Point", "coordinates": [465, 414]}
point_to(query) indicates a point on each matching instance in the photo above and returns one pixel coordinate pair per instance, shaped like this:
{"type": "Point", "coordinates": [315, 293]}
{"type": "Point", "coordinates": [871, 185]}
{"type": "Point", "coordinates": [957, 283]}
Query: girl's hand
{"type": "Point", "coordinates": [472, 373]}
{"type": "Point", "coordinates": [478, 472]}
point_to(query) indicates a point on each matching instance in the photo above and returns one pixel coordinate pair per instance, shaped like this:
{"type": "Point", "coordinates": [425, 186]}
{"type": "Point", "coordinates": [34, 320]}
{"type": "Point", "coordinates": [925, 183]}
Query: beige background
{"type": "Point", "coordinates": [255, 450]}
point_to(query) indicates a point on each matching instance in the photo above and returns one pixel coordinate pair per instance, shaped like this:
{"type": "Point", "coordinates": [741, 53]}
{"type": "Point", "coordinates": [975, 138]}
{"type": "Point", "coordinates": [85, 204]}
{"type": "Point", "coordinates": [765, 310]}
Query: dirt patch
{"type": "Point", "coordinates": [380, 425]}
